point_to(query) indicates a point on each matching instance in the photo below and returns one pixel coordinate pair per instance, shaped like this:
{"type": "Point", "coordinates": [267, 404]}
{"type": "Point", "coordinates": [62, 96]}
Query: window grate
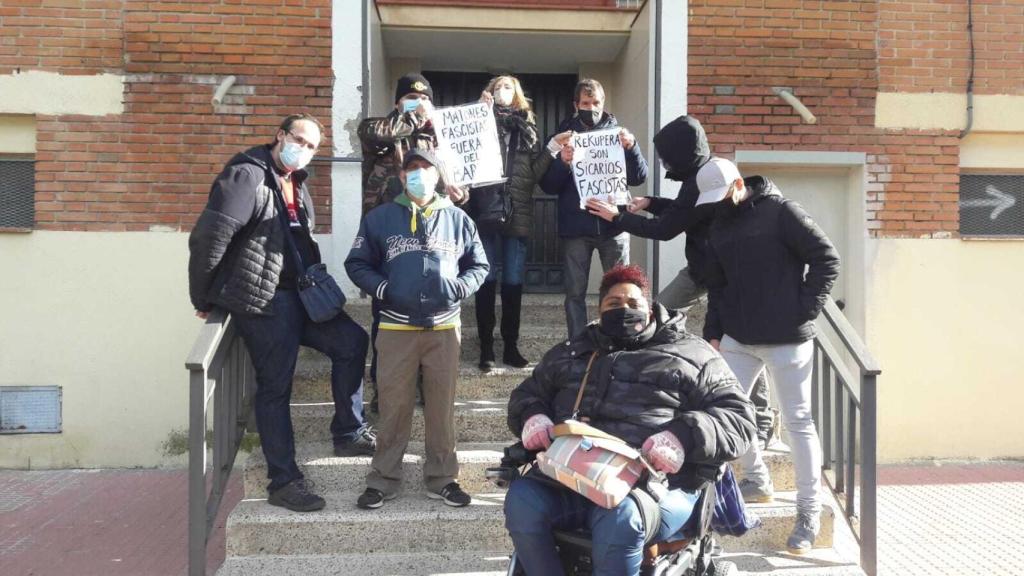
{"type": "Point", "coordinates": [992, 205]}
{"type": "Point", "coordinates": [17, 193]}
{"type": "Point", "coordinates": [30, 409]}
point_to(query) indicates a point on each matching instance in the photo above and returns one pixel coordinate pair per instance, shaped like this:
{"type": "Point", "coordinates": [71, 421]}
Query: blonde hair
{"type": "Point", "coordinates": [519, 100]}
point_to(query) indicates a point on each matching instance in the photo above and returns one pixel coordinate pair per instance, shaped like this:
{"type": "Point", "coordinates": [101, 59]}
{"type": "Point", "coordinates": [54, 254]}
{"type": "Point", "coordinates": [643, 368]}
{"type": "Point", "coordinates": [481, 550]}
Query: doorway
{"type": "Point", "coordinates": [551, 96]}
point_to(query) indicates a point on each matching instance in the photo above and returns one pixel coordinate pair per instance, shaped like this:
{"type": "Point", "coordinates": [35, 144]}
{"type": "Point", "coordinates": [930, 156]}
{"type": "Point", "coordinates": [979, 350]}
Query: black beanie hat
{"type": "Point", "coordinates": [413, 83]}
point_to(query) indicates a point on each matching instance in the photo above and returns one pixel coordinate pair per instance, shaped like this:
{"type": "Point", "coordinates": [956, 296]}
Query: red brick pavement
{"type": "Point", "coordinates": [100, 522]}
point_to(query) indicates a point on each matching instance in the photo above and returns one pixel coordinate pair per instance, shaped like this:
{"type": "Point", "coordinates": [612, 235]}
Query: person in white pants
{"type": "Point", "coordinates": [761, 311]}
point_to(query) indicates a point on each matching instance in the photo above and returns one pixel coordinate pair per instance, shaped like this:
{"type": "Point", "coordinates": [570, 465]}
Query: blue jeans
{"type": "Point", "coordinates": [273, 343]}
{"type": "Point", "coordinates": [533, 508]}
{"type": "Point", "coordinates": [513, 257]}
{"type": "Point", "coordinates": [578, 252]}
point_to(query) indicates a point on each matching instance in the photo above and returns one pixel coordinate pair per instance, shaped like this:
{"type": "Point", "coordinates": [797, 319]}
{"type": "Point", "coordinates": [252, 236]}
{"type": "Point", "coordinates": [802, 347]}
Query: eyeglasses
{"type": "Point", "coordinates": [303, 142]}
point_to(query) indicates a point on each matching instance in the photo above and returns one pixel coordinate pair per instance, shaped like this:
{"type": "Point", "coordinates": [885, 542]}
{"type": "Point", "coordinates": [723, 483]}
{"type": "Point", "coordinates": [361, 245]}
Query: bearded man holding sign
{"type": "Point", "coordinates": [582, 232]}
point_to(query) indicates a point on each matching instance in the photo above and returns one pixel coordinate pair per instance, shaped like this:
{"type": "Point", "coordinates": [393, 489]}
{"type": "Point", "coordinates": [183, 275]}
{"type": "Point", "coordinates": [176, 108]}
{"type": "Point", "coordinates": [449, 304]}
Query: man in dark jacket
{"type": "Point", "coordinates": [420, 257]}
{"type": "Point", "coordinates": [683, 148]}
{"type": "Point", "coordinates": [240, 261]}
{"type": "Point", "coordinates": [761, 312]}
{"type": "Point", "coordinates": [581, 232]}
{"type": "Point", "coordinates": [660, 389]}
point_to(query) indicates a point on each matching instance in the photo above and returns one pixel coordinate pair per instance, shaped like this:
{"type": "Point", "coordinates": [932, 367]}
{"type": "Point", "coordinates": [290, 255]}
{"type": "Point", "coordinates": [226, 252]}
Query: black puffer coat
{"type": "Point", "coordinates": [757, 290]}
{"type": "Point", "coordinates": [520, 147]}
{"type": "Point", "coordinates": [675, 381]}
{"type": "Point", "coordinates": [236, 250]}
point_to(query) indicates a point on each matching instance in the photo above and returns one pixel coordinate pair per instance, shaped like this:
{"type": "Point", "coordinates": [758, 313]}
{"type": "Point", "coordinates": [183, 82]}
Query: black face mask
{"type": "Point", "coordinates": [624, 325]}
{"type": "Point", "coordinates": [589, 118]}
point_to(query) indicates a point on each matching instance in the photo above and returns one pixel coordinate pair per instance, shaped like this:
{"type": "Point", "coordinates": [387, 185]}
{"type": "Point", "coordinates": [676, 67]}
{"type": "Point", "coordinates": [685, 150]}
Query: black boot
{"type": "Point", "coordinates": [511, 306]}
{"type": "Point", "coordinates": [485, 324]}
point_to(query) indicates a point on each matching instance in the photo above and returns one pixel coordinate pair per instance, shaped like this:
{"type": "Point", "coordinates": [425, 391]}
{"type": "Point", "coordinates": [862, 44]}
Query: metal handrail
{"type": "Point", "coordinates": [220, 371]}
{"type": "Point", "coordinates": [838, 406]}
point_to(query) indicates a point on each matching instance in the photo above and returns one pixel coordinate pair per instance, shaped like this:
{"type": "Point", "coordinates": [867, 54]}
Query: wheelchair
{"type": "Point", "coordinates": [693, 554]}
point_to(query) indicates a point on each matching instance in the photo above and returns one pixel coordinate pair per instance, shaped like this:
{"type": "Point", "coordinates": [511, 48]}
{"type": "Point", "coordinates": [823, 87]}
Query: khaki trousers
{"type": "Point", "coordinates": [401, 356]}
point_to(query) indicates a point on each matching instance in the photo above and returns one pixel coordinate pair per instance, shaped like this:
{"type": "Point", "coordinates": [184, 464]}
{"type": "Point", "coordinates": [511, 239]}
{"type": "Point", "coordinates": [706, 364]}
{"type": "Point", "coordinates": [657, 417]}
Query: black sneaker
{"type": "Point", "coordinates": [297, 496]}
{"type": "Point", "coordinates": [452, 494]}
{"type": "Point", "coordinates": [371, 499]}
{"type": "Point", "coordinates": [364, 445]}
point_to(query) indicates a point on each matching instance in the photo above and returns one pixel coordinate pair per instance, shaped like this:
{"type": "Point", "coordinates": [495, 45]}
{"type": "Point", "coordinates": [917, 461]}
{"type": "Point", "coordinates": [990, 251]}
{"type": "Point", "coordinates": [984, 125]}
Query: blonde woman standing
{"type": "Point", "coordinates": [504, 216]}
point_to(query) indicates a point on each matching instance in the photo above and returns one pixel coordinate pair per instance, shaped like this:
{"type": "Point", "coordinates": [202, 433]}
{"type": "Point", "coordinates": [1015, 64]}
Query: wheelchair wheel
{"type": "Point", "coordinates": [723, 568]}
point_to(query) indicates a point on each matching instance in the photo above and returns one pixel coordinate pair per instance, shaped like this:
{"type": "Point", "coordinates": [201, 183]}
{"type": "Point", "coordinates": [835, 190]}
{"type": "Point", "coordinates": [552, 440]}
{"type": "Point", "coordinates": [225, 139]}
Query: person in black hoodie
{"type": "Point", "coordinates": [654, 385]}
{"type": "Point", "coordinates": [683, 148]}
{"type": "Point", "coordinates": [581, 232]}
{"type": "Point", "coordinates": [240, 262]}
{"type": "Point", "coordinates": [761, 312]}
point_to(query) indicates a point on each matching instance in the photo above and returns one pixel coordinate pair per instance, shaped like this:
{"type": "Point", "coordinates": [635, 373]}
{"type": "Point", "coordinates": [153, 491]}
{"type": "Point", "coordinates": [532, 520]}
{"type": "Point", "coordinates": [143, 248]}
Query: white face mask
{"type": "Point", "coordinates": [503, 96]}
{"type": "Point", "coordinates": [294, 156]}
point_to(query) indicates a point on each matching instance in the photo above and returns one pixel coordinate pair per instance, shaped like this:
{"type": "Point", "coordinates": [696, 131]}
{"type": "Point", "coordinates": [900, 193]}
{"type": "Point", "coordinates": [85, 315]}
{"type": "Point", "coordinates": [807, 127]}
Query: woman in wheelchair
{"type": "Point", "coordinates": [652, 384]}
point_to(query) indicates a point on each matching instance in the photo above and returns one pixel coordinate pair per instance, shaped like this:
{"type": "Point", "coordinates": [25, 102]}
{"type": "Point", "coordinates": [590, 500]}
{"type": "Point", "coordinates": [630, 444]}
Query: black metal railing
{"type": "Point", "coordinates": [845, 402]}
{"type": "Point", "coordinates": [220, 371]}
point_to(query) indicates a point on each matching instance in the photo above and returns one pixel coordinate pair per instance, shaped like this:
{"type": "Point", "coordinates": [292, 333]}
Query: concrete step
{"type": "Point", "coordinates": [313, 381]}
{"type": "Point", "coordinates": [422, 564]}
{"type": "Point", "coordinates": [777, 519]}
{"type": "Point", "coordinates": [413, 523]}
{"type": "Point", "coordinates": [818, 562]}
{"type": "Point", "coordinates": [475, 421]}
{"type": "Point", "coordinates": [331, 473]}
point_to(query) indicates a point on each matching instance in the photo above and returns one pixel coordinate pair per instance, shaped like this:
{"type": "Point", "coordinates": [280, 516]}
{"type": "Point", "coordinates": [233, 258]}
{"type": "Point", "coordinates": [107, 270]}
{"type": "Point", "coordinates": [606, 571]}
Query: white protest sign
{"type": "Point", "coordinates": [599, 166]}
{"type": "Point", "coordinates": [468, 144]}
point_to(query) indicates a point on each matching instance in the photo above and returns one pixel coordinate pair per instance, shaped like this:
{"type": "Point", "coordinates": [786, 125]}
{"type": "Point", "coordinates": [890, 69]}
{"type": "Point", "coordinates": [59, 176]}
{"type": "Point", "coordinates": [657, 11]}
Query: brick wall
{"type": "Point", "coordinates": [826, 53]}
{"type": "Point", "coordinates": [70, 37]}
{"type": "Point", "coordinates": [923, 46]}
{"type": "Point", "coordinates": [151, 167]}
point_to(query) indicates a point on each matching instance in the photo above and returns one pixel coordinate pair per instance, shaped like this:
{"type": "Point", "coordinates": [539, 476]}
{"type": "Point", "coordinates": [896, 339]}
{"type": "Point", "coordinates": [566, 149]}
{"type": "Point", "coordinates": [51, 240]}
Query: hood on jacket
{"type": "Point", "coordinates": [439, 202]}
{"type": "Point", "coordinates": [684, 147]}
{"type": "Point", "coordinates": [261, 156]}
{"type": "Point", "coordinates": [669, 326]}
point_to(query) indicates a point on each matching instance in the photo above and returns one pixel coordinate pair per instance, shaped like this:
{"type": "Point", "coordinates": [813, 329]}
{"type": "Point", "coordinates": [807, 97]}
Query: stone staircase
{"type": "Point", "coordinates": [415, 535]}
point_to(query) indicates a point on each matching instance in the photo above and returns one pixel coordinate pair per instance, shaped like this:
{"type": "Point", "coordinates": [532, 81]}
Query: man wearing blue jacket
{"type": "Point", "coordinates": [582, 232]}
{"type": "Point", "coordinates": [420, 256]}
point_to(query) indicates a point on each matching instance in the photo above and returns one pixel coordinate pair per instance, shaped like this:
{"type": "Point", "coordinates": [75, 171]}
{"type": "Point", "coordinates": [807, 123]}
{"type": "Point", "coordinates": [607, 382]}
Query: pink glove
{"type": "Point", "coordinates": [537, 432]}
{"type": "Point", "coordinates": [664, 451]}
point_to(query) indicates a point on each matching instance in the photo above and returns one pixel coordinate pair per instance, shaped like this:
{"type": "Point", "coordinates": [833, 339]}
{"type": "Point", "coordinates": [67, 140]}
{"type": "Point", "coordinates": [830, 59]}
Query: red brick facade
{"type": "Point", "coordinates": [152, 166]}
{"type": "Point", "coordinates": [826, 52]}
{"type": "Point", "coordinates": [923, 46]}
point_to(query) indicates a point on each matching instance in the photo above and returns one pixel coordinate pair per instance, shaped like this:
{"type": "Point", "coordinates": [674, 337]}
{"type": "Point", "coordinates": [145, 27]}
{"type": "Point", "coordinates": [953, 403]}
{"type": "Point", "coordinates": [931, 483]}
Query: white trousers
{"type": "Point", "coordinates": [790, 368]}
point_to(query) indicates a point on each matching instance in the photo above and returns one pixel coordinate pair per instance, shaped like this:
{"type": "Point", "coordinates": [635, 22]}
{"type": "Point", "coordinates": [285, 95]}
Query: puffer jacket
{"type": "Point", "coordinates": [757, 290]}
{"type": "Point", "coordinates": [236, 249]}
{"type": "Point", "coordinates": [683, 145]}
{"type": "Point", "coordinates": [674, 381]}
{"type": "Point", "coordinates": [419, 262]}
{"type": "Point", "coordinates": [524, 165]}
{"type": "Point", "coordinates": [558, 180]}
{"type": "Point", "coordinates": [385, 142]}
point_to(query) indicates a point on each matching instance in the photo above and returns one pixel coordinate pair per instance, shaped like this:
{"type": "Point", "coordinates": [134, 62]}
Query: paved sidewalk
{"type": "Point", "coordinates": [100, 522]}
{"type": "Point", "coordinates": [933, 520]}
{"type": "Point", "coordinates": [939, 519]}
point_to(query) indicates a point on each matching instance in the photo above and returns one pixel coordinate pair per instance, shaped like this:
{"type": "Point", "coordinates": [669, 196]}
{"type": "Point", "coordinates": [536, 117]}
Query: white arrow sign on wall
{"type": "Point", "coordinates": [999, 202]}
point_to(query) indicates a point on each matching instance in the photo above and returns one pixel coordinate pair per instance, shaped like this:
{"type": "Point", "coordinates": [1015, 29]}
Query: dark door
{"type": "Point", "coordinates": [551, 95]}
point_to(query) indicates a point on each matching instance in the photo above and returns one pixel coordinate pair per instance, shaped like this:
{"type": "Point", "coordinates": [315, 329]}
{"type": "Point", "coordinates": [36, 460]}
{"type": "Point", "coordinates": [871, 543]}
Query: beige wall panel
{"type": "Point", "coordinates": [944, 321]}
{"type": "Point", "coordinates": [49, 93]}
{"type": "Point", "coordinates": [17, 134]}
{"type": "Point", "coordinates": [107, 317]}
{"type": "Point", "coordinates": [992, 113]}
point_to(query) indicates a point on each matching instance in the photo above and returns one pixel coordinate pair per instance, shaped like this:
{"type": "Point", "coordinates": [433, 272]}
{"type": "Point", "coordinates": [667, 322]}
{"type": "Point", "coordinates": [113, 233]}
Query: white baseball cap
{"type": "Point", "coordinates": [714, 179]}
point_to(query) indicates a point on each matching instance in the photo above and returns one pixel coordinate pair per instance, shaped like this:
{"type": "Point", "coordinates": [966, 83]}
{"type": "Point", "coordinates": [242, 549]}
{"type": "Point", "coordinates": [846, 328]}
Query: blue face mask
{"type": "Point", "coordinates": [420, 183]}
{"type": "Point", "coordinates": [410, 105]}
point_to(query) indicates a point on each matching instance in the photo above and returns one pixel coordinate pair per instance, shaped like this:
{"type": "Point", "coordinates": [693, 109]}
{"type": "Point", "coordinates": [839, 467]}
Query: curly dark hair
{"type": "Point", "coordinates": [632, 274]}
